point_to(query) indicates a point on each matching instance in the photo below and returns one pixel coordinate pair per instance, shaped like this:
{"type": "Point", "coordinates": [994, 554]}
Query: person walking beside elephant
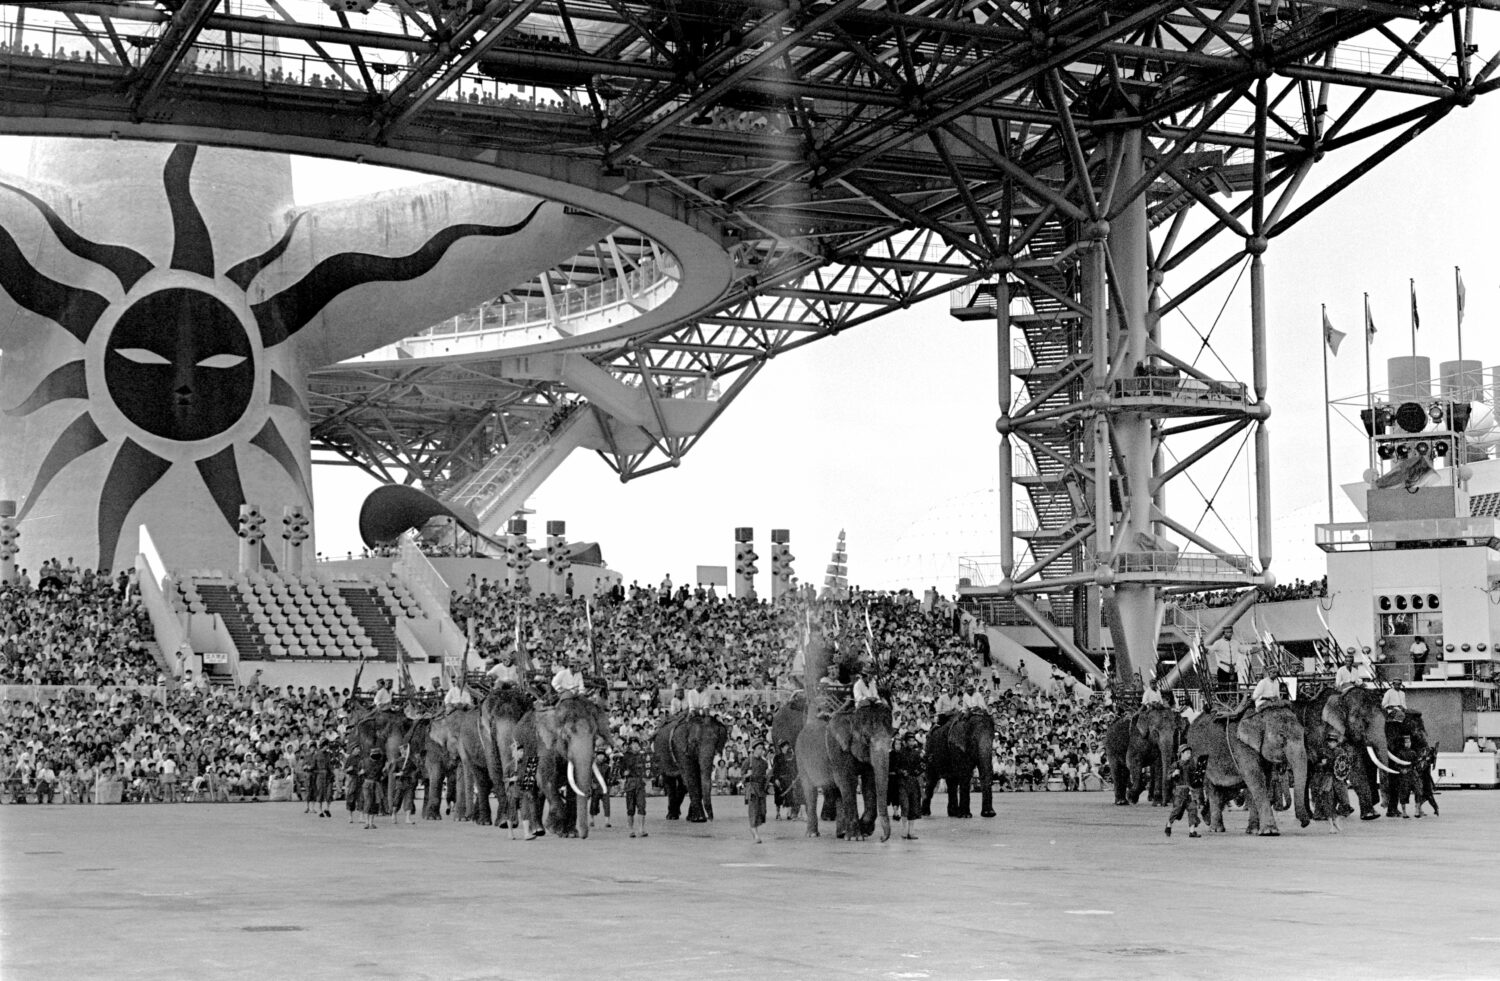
{"type": "Point", "coordinates": [630, 772]}
{"type": "Point", "coordinates": [757, 771]}
{"type": "Point", "coordinates": [1186, 781]}
{"type": "Point", "coordinates": [599, 792]}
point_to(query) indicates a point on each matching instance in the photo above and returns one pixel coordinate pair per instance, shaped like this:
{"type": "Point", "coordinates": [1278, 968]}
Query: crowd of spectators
{"type": "Point", "coordinates": [73, 627]}
{"type": "Point", "coordinates": [164, 744]}
{"type": "Point", "coordinates": [1296, 590]}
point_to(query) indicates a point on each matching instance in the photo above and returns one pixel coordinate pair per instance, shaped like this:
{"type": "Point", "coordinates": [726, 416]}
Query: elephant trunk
{"type": "Point", "coordinates": [1296, 757]}
{"type": "Point", "coordinates": [880, 762]}
{"type": "Point", "coordinates": [704, 789]}
{"type": "Point", "coordinates": [1166, 752]}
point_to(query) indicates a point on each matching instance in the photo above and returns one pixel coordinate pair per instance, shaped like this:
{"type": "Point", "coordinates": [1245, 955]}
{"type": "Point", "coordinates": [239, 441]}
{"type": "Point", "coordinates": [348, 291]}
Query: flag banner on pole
{"type": "Point", "coordinates": [1416, 321]}
{"type": "Point", "coordinates": [1458, 278]}
{"type": "Point", "coordinates": [1369, 320]}
{"type": "Point", "coordinates": [1333, 338]}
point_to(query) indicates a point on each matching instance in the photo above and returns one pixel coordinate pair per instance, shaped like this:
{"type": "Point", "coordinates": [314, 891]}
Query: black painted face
{"type": "Point", "coordinates": [179, 365]}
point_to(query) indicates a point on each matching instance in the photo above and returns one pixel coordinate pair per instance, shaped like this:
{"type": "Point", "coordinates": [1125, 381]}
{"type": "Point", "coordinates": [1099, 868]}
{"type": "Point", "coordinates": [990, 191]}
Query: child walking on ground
{"type": "Point", "coordinates": [630, 773]}
{"type": "Point", "coordinates": [374, 772]}
{"type": "Point", "coordinates": [1186, 781]}
{"type": "Point", "coordinates": [757, 775]}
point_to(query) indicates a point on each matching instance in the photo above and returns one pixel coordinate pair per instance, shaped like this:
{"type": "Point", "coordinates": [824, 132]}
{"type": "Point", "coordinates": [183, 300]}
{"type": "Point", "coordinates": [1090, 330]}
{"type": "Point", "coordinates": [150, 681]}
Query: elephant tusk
{"type": "Point", "coordinates": [1379, 765]}
{"type": "Point", "coordinates": [598, 776]}
{"type": "Point", "coordinates": [1395, 759]}
{"type": "Point", "coordinates": [573, 782]}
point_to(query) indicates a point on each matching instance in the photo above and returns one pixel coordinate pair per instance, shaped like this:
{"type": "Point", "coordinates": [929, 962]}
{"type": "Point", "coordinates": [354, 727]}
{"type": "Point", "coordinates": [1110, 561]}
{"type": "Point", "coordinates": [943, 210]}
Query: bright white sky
{"type": "Point", "coordinates": [887, 431]}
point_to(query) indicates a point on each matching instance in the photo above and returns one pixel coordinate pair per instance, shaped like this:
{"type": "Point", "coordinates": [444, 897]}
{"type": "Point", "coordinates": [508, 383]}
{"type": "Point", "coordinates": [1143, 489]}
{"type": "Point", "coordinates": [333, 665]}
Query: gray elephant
{"type": "Point", "coordinates": [562, 736]}
{"type": "Point", "coordinates": [683, 752]}
{"type": "Point", "coordinates": [499, 715]}
{"type": "Point", "coordinates": [955, 750]}
{"type": "Point", "coordinates": [455, 751]}
{"type": "Point", "coordinates": [1155, 734]}
{"type": "Point", "coordinates": [1242, 752]}
{"type": "Point", "coordinates": [846, 752]}
{"type": "Point", "coordinates": [1354, 718]}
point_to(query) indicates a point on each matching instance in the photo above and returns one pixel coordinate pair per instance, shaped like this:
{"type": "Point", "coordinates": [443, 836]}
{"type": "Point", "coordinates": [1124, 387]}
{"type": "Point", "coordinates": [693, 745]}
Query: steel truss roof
{"type": "Point", "coordinates": [854, 154]}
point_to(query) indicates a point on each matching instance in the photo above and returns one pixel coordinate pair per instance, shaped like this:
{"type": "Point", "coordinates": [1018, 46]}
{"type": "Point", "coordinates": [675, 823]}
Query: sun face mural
{"type": "Point", "coordinates": [154, 363]}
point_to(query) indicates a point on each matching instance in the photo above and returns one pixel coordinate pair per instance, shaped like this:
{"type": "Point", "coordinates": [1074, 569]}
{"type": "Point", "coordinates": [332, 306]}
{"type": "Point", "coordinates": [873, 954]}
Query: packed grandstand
{"type": "Point", "coordinates": [89, 697]}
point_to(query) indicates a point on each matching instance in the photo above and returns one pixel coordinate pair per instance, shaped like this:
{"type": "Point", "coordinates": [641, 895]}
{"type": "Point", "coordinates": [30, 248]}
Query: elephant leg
{"type": "Point", "coordinates": [1258, 783]}
{"type": "Point", "coordinates": [810, 804]}
{"type": "Point", "coordinates": [950, 782]}
{"type": "Point", "coordinates": [965, 778]}
{"type": "Point", "coordinates": [849, 808]}
{"type": "Point", "coordinates": [1215, 809]}
{"type": "Point", "coordinates": [986, 793]}
{"type": "Point", "coordinates": [830, 804]}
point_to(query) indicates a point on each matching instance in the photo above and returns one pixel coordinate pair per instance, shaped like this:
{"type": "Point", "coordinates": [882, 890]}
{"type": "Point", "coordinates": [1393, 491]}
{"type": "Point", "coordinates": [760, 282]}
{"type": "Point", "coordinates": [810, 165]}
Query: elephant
{"type": "Point", "coordinates": [384, 727]}
{"type": "Point", "coordinates": [564, 734]}
{"type": "Point", "coordinates": [1242, 752]}
{"type": "Point", "coordinates": [1407, 734]}
{"type": "Point", "coordinates": [1116, 748]}
{"type": "Point", "coordinates": [954, 750]}
{"type": "Point", "coordinates": [684, 751]}
{"type": "Point", "coordinates": [1144, 740]}
{"type": "Point", "coordinates": [849, 750]}
{"type": "Point", "coordinates": [499, 715]}
{"type": "Point", "coordinates": [454, 749]}
{"type": "Point", "coordinates": [1354, 717]}
{"type": "Point", "coordinates": [1154, 737]}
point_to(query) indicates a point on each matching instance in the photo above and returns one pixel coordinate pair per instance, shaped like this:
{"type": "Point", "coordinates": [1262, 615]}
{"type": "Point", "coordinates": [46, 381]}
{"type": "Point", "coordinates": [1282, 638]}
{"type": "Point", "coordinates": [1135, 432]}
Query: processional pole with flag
{"type": "Point", "coordinates": [1331, 340]}
{"type": "Point", "coordinates": [1369, 386]}
{"type": "Point", "coordinates": [588, 611]}
{"type": "Point", "coordinates": [403, 672]}
{"type": "Point", "coordinates": [1416, 321]}
{"type": "Point", "coordinates": [523, 658]}
{"type": "Point", "coordinates": [1458, 285]}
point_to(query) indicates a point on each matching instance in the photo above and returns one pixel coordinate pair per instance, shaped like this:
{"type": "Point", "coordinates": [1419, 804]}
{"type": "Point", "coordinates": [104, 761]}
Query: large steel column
{"type": "Point", "coordinates": [1140, 608]}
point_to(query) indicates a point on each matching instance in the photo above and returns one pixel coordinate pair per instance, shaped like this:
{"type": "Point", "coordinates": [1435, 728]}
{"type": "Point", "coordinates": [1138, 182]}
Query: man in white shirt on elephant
{"type": "Point", "coordinates": [565, 682]}
{"type": "Point", "coordinates": [1267, 689]}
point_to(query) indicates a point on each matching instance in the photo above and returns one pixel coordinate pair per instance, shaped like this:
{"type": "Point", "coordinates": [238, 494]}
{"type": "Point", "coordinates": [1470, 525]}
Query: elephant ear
{"type": "Point", "coordinates": [842, 730]}
{"type": "Point", "coordinates": [547, 730]}
{"type": "Point", "coordinates": [1251, 732]}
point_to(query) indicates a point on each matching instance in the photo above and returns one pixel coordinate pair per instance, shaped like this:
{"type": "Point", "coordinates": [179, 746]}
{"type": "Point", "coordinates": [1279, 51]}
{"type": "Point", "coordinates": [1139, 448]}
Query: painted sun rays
{"type": "Point", "coordinates": [177, 356]}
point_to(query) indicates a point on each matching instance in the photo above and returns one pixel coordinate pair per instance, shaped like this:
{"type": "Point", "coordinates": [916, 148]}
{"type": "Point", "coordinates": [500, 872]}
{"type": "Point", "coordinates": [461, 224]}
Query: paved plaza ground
{"type": "Point", "coordinates": [1057, 886]}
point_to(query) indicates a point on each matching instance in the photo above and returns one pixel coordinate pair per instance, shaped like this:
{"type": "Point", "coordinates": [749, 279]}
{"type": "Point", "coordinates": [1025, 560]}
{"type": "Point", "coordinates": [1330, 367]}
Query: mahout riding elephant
{"type": "Point", "coordinates": [1155, 735]}
{"type": "Point", "coordinates": [455, 750]}
{"type": "Point", "coordinates": [1242, 752]}
{"type": "Point", "coordinates": [684, 751]}
{"type": "Point", "coordinates": [499, 715]}
{"type": "Point", "coordinates": [1354, 717]}
{"type": "Point", "coordinates": [561, 737]}
{"type": "Point", "coordinates": [954, 750]}
{"type": "Point", "coordinates": [847, 752]}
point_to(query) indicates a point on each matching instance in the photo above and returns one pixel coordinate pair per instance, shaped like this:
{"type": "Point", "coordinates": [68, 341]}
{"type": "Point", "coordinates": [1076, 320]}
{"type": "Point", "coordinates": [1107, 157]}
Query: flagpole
{"type": "Point", "coordinates": [1458, 287]}
{"type": "Point", "coordinates": [1413, 283]}
{"type": "Point", "coordinates": [1369, 386]}
{"type": "Point", "coordinates": [1327, 426]}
